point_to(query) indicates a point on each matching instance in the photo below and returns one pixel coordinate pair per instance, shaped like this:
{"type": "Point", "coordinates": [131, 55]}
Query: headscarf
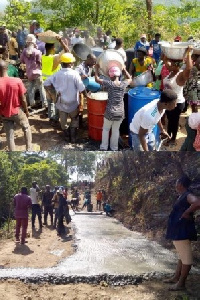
{"type": "Point", "coordinates": [114, 71]}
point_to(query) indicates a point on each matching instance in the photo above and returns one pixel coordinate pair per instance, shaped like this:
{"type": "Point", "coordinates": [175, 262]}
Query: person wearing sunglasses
{"type": "Point", "coordinates": [176, 81]}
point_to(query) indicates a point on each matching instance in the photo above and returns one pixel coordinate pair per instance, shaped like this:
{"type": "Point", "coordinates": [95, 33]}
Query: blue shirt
{"type": "Point", "coordinates": [139, 44]}
{"type": "Point", "coordinates": [108, 207]}
{"type": "Point", "coordinates": [156, 50]}
{"type": "Point", "coordinates": [21, 38]}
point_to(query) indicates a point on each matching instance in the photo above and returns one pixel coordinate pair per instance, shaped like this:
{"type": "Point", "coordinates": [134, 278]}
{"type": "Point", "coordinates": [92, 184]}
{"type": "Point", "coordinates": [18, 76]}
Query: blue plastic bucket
{"type": "Point", "coordinates": [137, 98]}
{"type": "Point", "coordinates": [91, 84]}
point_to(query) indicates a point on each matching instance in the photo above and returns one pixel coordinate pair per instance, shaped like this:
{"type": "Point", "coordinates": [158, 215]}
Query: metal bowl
{"type": "Point", "coordinates": [196, 49]}
{"type": "Point", "coordinates": [142, 79]}
{"type": "Point", "coordinates": [108, 59]}
{"type": "Point", "coordinates": [175, 50]}
{"type": "Point", "coordinates": [81, 51]}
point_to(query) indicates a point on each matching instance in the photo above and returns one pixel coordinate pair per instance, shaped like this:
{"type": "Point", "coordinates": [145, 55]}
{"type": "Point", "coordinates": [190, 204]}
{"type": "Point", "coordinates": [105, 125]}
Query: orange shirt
{"type": "Point", "coordinates": [99, 196]}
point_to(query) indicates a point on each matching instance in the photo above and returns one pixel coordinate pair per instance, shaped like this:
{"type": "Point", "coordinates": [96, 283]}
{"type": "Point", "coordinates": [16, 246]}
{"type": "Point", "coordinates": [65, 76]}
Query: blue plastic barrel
{"type": "Point", "coordinates": [91, 84]}
{"type": "Point", "coordinates": [137, 98]}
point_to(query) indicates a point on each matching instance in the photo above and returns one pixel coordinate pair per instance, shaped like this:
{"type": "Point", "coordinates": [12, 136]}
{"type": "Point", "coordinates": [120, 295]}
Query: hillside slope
{"type": "Point", "coordinates": [141, 187]}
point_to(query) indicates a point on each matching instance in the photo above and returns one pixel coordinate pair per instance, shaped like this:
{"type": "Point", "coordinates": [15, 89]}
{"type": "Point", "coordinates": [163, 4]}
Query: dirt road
{"type": "Point", "coordinates": [47, 251]}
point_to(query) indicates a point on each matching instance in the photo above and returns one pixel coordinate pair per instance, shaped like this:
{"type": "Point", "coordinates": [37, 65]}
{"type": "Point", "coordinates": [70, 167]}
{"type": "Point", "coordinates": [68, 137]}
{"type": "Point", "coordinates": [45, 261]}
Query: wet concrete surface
{"type": "Point", "coordinates": [103, 246]}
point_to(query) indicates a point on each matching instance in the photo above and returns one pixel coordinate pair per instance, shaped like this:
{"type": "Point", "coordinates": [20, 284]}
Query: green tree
{"type": "Point", "coordinates": [8, 186]}
{"type": "Point", "coordinates": [44, 172]}
{"type": "Point", "coordinates": [17, 13]}
{"type": "Point", "coordinates": [19, 169]}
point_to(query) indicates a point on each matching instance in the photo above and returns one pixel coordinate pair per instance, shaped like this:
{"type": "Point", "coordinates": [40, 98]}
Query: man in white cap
{"type": "Point", "coordinates": [32, 57]}
{"type": "Point", "coordinates": [142, 43]}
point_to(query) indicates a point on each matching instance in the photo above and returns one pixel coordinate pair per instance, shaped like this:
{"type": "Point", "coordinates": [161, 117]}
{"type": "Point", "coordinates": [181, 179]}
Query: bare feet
{"type": "Point", "coordinates": [170, 280]}
{"type": "Point", "coordinates": [176, 287]}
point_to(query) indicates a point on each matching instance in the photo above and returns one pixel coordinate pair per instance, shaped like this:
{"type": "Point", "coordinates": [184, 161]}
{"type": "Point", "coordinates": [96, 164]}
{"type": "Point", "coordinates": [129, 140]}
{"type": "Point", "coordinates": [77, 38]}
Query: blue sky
{"type": "Point", "coordinates": [3, 4]}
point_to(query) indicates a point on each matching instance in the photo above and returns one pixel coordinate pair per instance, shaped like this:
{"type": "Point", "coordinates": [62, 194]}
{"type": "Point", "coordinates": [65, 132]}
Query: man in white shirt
{"type": "Point", "coordinates": [147, 117]}
{"type": "Point", "coordinates": [77, 38]}
{"type": "Point", "coordinates": [36, 209]}
{"type": "Point", "coordinates": [119, 48]}
{"type": "Point", "coordinates": [68, 85]}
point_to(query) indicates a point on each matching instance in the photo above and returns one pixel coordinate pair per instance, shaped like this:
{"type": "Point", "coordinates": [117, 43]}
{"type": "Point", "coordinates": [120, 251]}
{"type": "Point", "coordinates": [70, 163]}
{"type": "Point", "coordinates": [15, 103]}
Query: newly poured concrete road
{"type": "Point", "coordinates": [104, 245]}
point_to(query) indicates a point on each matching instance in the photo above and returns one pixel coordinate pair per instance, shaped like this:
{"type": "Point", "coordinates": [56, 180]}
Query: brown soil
{"type": "Point", "coordinates": [150, 290]}
{"type": "Point", "coordinates": [39, 244]}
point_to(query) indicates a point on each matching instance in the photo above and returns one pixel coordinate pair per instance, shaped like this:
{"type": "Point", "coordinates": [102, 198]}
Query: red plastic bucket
{"type": "Point", "coordinates": [96, 105]}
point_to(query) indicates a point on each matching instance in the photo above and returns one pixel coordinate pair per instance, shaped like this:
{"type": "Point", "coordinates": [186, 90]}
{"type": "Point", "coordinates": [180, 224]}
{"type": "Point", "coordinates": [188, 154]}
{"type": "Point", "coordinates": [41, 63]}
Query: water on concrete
{"type": "Point", "coordinates": [104, 245]}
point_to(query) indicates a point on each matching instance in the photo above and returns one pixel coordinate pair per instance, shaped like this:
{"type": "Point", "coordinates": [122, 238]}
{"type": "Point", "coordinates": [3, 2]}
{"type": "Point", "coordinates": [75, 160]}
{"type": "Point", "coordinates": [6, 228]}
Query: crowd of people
{"type": "Point", "coordinates": [53, 70]}
{"type": "Point", "coordinates": [53, 204]}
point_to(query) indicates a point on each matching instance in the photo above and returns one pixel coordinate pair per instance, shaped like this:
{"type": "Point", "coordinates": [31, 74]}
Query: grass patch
{"type": "Point", "coordinates": [6, 231]}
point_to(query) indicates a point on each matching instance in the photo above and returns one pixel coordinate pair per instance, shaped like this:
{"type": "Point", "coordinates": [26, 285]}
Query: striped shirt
{"type": "Point", "coordinates": [115, 105]}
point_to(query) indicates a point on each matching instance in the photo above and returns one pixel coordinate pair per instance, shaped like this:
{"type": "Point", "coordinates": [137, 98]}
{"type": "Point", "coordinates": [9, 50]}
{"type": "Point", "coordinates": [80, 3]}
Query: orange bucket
{"type": "Point", "coordinates": [96, 105]}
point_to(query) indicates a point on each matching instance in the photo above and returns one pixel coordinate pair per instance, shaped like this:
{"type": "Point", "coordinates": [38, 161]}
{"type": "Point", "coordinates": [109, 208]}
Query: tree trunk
{"type": "Point", "coordinates": [149, 15]}
{"type": "Point", "coordinates": [97, 11]}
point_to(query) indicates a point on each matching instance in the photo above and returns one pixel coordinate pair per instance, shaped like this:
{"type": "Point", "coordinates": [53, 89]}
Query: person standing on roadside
{"type": "Point", "coordinates": [181, 230]}
{"type": "Point", "coordinates": [36, 209]}
{"type": "Point", "coordinates": [12, 100]}
{"type": "Point", "coordinates": [22, 202]}
{"type": "Point", "coordinates": [63, 211]}
{"type": "Point", "coordinates": [55, 202]}
{"type": "Point", "coordinates": [99, 198]}
{"type": "Point", "coordinates": [47, 203]}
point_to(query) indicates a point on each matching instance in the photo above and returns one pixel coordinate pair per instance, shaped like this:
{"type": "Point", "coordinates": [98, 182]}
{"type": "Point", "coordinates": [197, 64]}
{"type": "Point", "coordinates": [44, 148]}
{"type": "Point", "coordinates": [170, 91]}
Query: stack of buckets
{"type": "Point", "coordinates": [137, 98]}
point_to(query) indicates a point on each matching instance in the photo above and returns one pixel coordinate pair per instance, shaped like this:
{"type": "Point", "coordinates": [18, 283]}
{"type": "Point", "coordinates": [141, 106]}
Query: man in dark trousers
{"type": "Point", "coordinates": [22, 202]}
{"type": "Point", "coordinates": [47, 203]}
{"type": "Point", "coordinates": [63, 211]}
{"type": "Point", "coordinates": [36, 209]}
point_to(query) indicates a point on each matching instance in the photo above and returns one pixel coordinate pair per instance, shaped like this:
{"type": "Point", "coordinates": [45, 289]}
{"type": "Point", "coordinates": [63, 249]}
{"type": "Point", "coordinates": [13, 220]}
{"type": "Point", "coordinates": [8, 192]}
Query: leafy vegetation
{"type": "Point", "coordinates": [125, 18]}
{"type": "Point", "coordinates": [141, 186]}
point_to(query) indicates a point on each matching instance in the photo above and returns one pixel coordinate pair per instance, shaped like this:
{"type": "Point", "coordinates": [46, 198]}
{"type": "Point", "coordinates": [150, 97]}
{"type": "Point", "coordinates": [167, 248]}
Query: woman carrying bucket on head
{"type": "Point", "coordinates": [114, 112]}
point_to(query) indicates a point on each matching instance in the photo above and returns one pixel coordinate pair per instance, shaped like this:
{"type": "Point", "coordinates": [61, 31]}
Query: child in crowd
{"type": "Point", "coordinates": [114, 112]}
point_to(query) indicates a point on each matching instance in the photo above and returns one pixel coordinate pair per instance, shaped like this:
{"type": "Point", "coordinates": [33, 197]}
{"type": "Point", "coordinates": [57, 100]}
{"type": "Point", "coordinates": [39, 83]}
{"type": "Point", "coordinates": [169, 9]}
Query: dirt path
{"type": "Point", "coordinates": [149, 290]}
{"type": "Point", "coordinates": [44, 249]}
